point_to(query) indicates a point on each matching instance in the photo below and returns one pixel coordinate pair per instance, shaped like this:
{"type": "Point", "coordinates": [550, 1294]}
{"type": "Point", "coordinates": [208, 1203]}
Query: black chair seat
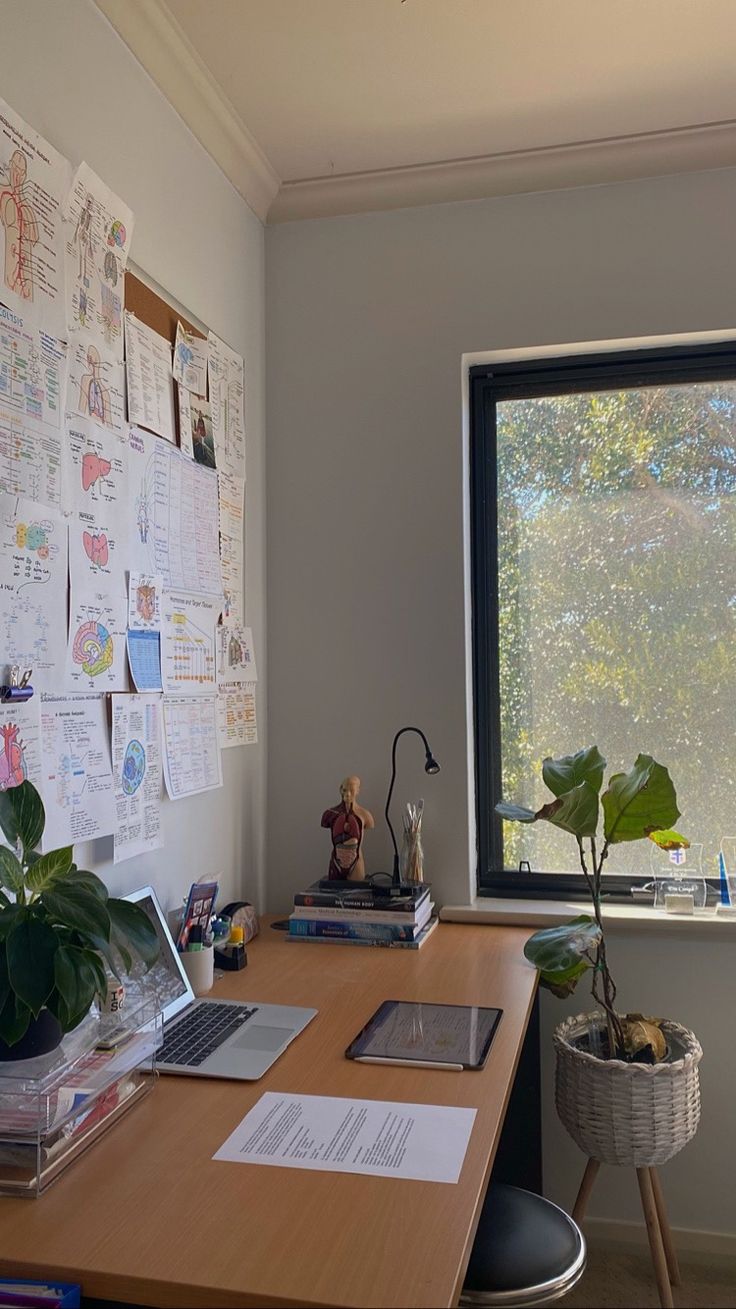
{"type": "Point", "coordinates": [524, 1242]}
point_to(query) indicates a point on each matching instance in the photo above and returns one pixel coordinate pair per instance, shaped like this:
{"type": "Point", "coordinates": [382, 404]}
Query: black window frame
{"type": "Point", "coordinates": [525, 379]}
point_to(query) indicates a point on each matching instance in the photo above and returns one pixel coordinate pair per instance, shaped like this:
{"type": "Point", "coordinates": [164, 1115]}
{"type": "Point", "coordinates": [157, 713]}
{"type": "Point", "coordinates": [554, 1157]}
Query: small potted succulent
{"type": "Point", "coordinates": [627, 1085]}
{"type": "Point", "coordinates": [58, 929]}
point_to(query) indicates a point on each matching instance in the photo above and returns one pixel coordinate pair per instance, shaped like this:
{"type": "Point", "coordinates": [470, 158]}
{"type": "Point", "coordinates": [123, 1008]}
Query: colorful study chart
{"type": "Point", "coordinates": [144, 657]}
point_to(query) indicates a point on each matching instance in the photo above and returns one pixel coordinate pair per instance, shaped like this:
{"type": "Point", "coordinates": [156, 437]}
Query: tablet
{"type": "Point", "coordinates": [453, 1036]}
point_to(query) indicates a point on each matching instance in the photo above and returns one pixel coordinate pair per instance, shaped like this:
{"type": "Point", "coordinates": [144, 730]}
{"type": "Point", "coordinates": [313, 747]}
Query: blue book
{"type": "Point", "coordinates": [353, 929]}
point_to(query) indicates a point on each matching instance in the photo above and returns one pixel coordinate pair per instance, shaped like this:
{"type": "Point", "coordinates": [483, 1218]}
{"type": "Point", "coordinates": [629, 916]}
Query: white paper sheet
{"type": "Point", "coordinates": [34, 180]}
{"type": "Point", "coordinates": [77, 784]}
{"type": "Point", "coordinates": [32, 371]}
{"type": "Point", "coordinates": [192, 760]}
{"type": "Point", "coordinates": [95, 471]}
{"type": "Point", "coordinates": [98, 230]}
{"type": "Point", "coordinates": [136, 762]}
{"type": "Point", "coordinates": [96, 659]}
{"type": "Point", "coordinates": [174, 516]}
{"type": "Point", "coordinates": [144, 602]}
{"type": "Point", "coordinates": [150, 383]}
{"type": "Point", "coordinates": [225, 372]}
{"type": "Point", "coordinates": [33, 589]}
{"type": "Point", "coordinates": [231, 501]}
{"type": "Point", "coordinates": [96, 385]}
{"type": "Point", "coordinates": [190, 361]}
{"type": "Point", "coordinates": [378, 1138]}
{"type": "Point", "coordinates": [20, 743]}
{"type": "Point", "coordinates": [96, 552]}
{"type": "Point", "coordinates": [231, 572]}
{"type": "Point", "coordinates": [30, 458]}
{"type": "Point", "coordinates": [144, 659]}
{"type": "Point", "coordinates": [183, 400]}
{"type": "Point", "coordinates": [188, 642]}
{"type": "Point", "coordinates": [236, 661]}
{"type": "Point", "coordinates": [236, 715]}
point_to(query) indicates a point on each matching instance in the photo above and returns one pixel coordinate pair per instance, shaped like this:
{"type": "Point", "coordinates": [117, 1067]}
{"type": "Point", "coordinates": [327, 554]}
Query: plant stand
{"type": "Point", "coordinates": [659, 1232]}
{"type": "Point", "coordinates": [630, 1115]}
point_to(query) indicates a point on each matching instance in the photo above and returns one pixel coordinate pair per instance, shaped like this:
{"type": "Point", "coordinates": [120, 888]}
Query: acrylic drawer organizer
{"type": "Point", "coordinates": [54, 1107]}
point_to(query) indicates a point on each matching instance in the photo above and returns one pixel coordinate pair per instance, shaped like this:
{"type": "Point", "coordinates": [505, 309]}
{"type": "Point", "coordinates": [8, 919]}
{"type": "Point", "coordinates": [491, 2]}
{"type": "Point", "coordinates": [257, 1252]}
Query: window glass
{"type": "Point", "coordinates": [617, 600]}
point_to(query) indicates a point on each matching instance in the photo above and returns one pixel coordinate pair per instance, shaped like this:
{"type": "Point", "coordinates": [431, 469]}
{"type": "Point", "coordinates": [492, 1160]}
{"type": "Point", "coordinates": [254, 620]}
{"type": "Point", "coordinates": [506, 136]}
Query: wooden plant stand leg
{"type": "Point", "coordinates": [586, 1186]}
{"type": "Point", "coordinates": [664, 1226]}
{"type": "Point", "coordinates": [659, 1259]}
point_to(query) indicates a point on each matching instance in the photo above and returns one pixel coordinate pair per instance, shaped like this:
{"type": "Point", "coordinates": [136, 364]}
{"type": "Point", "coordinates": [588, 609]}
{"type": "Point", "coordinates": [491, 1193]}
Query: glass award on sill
{"type": "Point", "coordinates": [679, 884]}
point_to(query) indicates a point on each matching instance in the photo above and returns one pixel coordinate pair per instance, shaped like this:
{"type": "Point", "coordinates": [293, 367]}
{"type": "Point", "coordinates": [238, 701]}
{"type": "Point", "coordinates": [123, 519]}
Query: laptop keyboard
{"type": "Point", "coordinates": [197, 1035]}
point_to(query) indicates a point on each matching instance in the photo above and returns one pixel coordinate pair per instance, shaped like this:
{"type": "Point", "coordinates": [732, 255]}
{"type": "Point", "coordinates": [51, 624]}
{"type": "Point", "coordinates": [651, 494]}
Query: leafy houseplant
{"type": "Point", "coordinates": [637, 805]}
{"type": "Point", "coordinates": [58, 926]}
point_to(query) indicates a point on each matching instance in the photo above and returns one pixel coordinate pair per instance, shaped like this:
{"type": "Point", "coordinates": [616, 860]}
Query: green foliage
{"type": "Point", "coordinates": [59, 928]}
{"type": "Point", "coordinates": [617, 553]}
{"type": "Point", "coordinates": [563, 954]}
{"type": "Point", "coordinates": [636, 805]}
{"type": "Point", "coordinates": [639, 802]}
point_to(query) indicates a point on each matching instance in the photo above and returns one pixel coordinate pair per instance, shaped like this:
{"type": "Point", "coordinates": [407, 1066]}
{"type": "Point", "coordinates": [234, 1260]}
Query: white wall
{"type": "Point", "coordinates": [368, 317]}
{"type": "Point", "coordinates": [64, 69]}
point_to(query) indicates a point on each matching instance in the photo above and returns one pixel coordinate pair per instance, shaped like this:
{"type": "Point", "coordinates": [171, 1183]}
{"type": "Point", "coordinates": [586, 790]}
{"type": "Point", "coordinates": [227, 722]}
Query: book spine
{"type": "Point", "coordinates": [354, 930]}
{"type": "Point", "coordinates": [339, 900]}
{"type": "Point", "coordinates": [334, 914]}
{"type": "Point", "coordinates": [354, 940]}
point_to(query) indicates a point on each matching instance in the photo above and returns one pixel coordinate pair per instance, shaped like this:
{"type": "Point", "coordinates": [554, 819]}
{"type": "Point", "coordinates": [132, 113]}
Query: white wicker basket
{"type": "Point", "coordinates": [619, 1113]}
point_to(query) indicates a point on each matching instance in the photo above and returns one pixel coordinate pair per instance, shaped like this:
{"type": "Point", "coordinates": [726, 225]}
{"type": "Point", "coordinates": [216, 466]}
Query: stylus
{"type": "Point", "coordinates": [406, 1063]}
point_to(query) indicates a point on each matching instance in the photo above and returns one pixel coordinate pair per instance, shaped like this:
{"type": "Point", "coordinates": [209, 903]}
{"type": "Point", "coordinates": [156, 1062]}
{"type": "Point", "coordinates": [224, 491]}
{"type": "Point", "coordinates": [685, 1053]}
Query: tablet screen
{"type": "Point", "coordinates": [427, 1033]}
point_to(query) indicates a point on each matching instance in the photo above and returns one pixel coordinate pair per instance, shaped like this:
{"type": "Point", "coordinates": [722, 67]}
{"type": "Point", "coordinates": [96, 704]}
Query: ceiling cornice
{"type": "Point", "coordinates": [157, 40]}
{"type": "Point", "coordinates": [168, 56]}
{"type": "Point", "coordinates": [551, 168]}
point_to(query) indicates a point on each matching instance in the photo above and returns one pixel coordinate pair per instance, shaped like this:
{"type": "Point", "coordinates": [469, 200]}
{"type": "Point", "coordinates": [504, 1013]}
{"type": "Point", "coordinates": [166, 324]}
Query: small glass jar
{"type": "Point", "coordinates": [411, 862]}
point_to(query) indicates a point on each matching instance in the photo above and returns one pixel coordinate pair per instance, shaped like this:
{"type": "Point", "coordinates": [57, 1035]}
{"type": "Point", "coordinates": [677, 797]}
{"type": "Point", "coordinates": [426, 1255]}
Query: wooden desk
{"type": "Point", "coordinates": [147, 1216]}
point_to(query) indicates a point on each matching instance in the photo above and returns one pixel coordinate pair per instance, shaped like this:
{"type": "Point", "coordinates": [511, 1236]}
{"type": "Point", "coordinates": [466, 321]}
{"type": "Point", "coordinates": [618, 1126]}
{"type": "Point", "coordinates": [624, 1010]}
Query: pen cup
{"type": "Point", "coordinates": [199, 966]}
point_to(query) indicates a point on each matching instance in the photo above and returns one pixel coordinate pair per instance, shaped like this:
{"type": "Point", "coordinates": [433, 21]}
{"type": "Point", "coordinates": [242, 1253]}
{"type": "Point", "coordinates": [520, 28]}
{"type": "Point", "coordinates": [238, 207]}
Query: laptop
{"type": "Point", "coordinates": [212, 1038]}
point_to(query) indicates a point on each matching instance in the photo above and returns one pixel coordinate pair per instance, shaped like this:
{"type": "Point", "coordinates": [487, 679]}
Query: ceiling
{"type": "Point", "coordinates": [357, 103]}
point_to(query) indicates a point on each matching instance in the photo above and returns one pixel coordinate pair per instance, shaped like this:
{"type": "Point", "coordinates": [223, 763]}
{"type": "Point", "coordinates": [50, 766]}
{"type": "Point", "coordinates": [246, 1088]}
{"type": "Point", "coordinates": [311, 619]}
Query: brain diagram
{"type": "Point", "coordinates": [93, 648]}
{"type": "Point", "coordinates": [134, 767]}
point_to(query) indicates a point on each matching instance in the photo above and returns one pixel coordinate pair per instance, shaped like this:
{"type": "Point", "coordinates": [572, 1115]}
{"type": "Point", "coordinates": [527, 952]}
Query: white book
{"type": "Point", "coordinates": [399, 917]}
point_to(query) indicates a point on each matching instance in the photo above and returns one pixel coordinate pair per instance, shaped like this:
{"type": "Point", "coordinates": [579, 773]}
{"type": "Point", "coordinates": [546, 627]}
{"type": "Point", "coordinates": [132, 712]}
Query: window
{"type": "Point", "coordinates": [603, 492]}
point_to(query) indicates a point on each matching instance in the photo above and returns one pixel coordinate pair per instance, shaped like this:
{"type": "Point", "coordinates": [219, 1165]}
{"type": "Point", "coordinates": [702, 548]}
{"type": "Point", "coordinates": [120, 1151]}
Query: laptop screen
{"type": "Point", "coordinates": [167, 977]}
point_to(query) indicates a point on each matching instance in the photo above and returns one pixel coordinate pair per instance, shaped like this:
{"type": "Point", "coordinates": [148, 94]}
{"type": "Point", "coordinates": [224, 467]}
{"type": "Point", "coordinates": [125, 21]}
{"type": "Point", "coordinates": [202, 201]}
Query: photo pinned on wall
{"type": "Point", "coordinates": [195, 428]}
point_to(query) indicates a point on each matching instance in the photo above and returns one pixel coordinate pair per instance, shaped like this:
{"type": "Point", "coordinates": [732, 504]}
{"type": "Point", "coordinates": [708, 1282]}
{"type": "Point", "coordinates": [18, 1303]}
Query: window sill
{"type": "Point", "coordinates": [617, 917]}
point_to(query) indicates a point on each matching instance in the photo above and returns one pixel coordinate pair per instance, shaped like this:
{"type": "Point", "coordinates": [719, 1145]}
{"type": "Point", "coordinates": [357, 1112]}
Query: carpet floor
{"type": "Point", "coordinates": [624, 1279]}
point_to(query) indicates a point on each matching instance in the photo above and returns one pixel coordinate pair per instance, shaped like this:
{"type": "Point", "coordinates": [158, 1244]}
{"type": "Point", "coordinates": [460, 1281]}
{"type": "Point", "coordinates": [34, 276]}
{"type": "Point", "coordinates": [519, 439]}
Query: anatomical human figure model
{"type": "Point", "coordinates": [347, 823]}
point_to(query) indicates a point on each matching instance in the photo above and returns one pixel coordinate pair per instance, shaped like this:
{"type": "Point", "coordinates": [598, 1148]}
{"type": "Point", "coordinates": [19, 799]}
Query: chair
{"type": "Point", "coordinates": [527, 1251]}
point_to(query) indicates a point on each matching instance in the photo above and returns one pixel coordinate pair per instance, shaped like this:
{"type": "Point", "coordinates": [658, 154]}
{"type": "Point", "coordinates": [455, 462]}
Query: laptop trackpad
{"type": "Point", "coordinates": [256, 1036]}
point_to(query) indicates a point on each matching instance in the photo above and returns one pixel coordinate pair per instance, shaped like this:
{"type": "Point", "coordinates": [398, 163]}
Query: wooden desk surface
{"type": "Point", "coordinates": [147, 1216]}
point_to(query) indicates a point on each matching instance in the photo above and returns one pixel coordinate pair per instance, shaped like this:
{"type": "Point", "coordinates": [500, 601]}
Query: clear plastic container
{"type": "Point", "coordinates": [679, 884]}
{"type": "Point", "coordinates": [54, 1107]}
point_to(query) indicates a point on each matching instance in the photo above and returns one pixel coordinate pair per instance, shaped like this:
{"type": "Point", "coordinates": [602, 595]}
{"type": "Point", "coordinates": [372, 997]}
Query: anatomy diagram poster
{"type": "Point", "coordinates": [34, 180]}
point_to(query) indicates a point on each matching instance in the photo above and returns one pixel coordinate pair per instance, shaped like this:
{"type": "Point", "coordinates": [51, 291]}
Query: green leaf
{"type": "Point", "coordinates": [639, 802]}
{"type": "Point", "coordinates": [31, 948]}
{"type": "Point", "coordinates": [108, 951]}
{"type": "Point", "coordinates": [136, 928]}
{"type": "Point", "coordinates": [90, 881]}
{"type": "Point", "coordinates": [11, 871]}
{"type": "Point", "coordinates": [14, 1019]}
{"type": "Point", "coordinates": [7, 920]}
{"type": "Point", "coordinates": [22, 815]}
{"type": "Point", "coordinates": [49, 868]}
{"type": "Point", "coordinates": [78, 908]}
{"type": "Point", "coordinates": [669, 840]}
{"type": "Point", "coordinates": [562, 775]}
{"type": "Point", "coordinates": [560, 953]}
{"type": "Point", "coordinates": [514, 813]}
{"type": "Point", "coordinates": [575, 812]}
{"type": "Point", "coordinates": [76, 980]}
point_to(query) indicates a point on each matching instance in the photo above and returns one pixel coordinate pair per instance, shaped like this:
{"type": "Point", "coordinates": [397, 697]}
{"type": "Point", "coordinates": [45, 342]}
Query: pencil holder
{"type": "Point", "coordinates": [199, 966]}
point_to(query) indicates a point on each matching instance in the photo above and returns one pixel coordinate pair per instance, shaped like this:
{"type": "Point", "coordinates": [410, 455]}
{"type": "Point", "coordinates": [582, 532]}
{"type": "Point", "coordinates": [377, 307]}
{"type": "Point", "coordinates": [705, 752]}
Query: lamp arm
{"type": "Point", "coordinates": [387, 815]}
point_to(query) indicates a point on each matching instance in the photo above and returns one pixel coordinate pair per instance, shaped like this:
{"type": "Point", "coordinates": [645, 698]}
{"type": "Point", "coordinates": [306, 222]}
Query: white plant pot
{"type": "Point", "coordinates": [620, 1113]}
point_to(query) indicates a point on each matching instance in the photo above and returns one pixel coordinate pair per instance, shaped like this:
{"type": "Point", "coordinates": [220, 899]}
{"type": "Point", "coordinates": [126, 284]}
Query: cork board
{"type": "Point", "coordinates": [157, 314]}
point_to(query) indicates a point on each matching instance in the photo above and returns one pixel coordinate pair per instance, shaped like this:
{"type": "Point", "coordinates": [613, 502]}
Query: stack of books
{"type": "Point", "coordinates": [363, 916]}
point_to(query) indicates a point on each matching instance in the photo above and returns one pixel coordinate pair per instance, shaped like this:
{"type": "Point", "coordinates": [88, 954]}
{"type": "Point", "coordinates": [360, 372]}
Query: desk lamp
{"type": "Point", "coordinates": [430, 766]}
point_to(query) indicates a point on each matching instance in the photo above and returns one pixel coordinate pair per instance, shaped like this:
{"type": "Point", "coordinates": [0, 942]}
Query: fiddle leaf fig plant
{"type": "Point", "coordinates": [58, 926]}
{"type": "Point", "coordinates": [635, 806]}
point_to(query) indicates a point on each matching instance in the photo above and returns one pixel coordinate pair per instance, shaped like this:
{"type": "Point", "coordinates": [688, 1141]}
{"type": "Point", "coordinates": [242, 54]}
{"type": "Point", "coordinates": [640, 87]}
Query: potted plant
{"type": "Point", "coordinates": [58, 928]}
{"type": "Point", "coordinates": [626, 1085]}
